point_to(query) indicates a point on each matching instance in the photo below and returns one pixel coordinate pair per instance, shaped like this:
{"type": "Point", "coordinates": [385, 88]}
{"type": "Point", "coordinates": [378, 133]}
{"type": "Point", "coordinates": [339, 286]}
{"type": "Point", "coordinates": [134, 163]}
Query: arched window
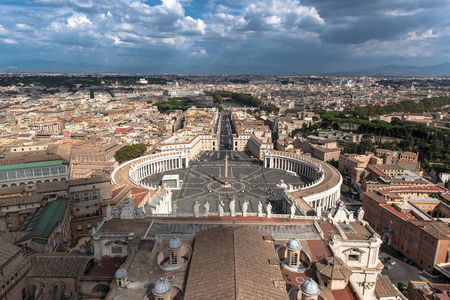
{"type": "Point", "coordinates": [102, 289]}
{"type": "Point", "coordinates": [173, 258]}
{"type": "Point", "coordinates": [86, 195]}
{"type": "Point", "coordinates": [294, 259]}
{"type": "Point", "coordinates": [94, 194]}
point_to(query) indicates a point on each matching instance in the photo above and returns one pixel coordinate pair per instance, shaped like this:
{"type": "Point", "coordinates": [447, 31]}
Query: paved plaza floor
{"type": "Point", "coordinates": [247, 181]}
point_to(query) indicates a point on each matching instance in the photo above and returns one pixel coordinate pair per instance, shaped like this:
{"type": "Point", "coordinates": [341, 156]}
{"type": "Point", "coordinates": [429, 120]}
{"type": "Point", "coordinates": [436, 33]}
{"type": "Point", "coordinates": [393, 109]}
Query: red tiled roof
{"type": "Point", "coordinates": [424, 188]}
{"type": "Point", "coordinates": [347, 294]}
{"type": "Point", "coordinates": [319, 249]}
{"type": "Point", "coordinates": [107, 267]}
{"type": "Point", "coordinates": [116, 191]}
{"type": "Point", "coordinates": [400, 214]}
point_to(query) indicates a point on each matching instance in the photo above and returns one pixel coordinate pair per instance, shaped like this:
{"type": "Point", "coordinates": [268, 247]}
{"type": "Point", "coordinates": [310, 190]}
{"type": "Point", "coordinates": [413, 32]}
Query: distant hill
{"type": "Point", "coordinates": [39, 65]}
{"type": "Point", "coordinates": [394, 70]}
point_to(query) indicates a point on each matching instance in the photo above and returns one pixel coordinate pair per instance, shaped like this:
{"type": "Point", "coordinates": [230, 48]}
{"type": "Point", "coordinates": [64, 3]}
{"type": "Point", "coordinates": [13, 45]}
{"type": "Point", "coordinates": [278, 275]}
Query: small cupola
{"type": "Point", "coordinates": [161, 290]}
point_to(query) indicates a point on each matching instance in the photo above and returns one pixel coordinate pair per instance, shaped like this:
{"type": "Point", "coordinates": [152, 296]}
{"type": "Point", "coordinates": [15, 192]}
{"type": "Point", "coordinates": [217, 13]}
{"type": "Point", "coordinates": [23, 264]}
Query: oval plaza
{"type": "Point", "coordinates": [309, 184]}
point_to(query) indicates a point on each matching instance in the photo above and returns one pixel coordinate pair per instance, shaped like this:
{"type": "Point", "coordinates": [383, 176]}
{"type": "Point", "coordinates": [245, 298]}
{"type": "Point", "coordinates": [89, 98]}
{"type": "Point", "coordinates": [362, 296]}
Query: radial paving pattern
{"type": "Point", "coordinates": [248, 181]}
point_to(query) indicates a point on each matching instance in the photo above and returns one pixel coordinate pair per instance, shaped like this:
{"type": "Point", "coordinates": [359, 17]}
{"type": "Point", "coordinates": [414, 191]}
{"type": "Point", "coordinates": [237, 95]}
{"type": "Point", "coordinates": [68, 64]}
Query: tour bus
{"type": "Point", "coordinates": [291, 173]}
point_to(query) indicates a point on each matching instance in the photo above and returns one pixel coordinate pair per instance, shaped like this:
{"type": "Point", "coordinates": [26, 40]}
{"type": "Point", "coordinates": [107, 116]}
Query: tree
{"type": "Point", "coordinates": [396, 122]}
{"type": "Point", "coordinates": [366, 145]}
{"type": "Point", "coordinates": [129, 152]}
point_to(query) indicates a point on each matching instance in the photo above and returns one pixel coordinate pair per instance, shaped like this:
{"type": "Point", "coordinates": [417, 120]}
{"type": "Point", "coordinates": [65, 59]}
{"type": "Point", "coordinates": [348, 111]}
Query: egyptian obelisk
{"type": "Point", "coordinates": [225, 183]}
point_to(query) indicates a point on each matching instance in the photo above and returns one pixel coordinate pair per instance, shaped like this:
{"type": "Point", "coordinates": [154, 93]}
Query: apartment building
{"type": "Point", "coordinates": [403, 218]}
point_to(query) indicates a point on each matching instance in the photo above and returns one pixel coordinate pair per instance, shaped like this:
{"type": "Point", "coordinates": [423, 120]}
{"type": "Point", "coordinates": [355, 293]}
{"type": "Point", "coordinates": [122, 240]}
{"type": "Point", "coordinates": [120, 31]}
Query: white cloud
{"type": "Point", "coordinates": [399, 48]}
{"type": "Point", "coordinates": [78, 20]}
{"type": "Point", "coordinates": [3, 31]}
{"type": "Point", "coordinates": [201, 53]}
{"type": "Point", "coordinates": [23, 27]}
{"type": "Point", "coordinates": [9, 41]}
{"type": "Point", "coordinates": [189, 25]}
{"type": "Point", "coordinates": [414, 36]}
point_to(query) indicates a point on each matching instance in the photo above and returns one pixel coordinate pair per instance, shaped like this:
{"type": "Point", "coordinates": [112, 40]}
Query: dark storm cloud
{"type": "Point", "coordinates": [287, 36]}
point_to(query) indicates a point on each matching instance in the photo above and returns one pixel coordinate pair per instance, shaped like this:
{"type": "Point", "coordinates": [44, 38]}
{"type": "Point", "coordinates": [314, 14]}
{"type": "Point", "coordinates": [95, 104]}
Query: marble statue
{"type": "Point", "coordinates": [292, 210]}
{"type": "Point", "coordinates": [206, 208]}
{"type": "Point", "coordinates": [233, 208]}
{"type": "Point", "coordinates": [260, 209]}
{"type": "Point", "coordinates": [221, 205]}
{"type": "Point", "coordinates": [244, 208]}
{"type": "Point", "coordinates": [196, 209]}
{"type": "Point", "coordinates": [269, 210]}
{"type": "Point", "coordinates": [360, 214]}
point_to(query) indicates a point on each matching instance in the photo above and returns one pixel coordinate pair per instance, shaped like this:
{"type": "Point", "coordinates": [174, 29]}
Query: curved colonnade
{"type": "Point", "coordinates": [141, 167]}
{"type": "Point", "coordinates": [322, 193]}
{"type": "Point", "coordinates": [325, 188]}
{"type": "Point", "coordinates": [157, 163]}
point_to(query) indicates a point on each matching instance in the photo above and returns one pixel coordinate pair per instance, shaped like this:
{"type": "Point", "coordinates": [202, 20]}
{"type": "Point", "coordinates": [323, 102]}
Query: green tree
{"type": "Point", "coordinates": [128, 152]}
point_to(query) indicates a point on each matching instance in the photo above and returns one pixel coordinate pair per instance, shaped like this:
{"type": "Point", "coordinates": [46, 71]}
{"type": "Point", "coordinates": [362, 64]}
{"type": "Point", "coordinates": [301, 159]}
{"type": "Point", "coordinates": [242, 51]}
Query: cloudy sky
{"type": "Point", "coordinates": [255, 36]}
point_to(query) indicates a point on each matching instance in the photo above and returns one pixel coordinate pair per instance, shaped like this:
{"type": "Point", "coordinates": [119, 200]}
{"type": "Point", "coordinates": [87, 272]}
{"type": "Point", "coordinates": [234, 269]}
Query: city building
{"type": "Point", "coordinates": [32, 165]}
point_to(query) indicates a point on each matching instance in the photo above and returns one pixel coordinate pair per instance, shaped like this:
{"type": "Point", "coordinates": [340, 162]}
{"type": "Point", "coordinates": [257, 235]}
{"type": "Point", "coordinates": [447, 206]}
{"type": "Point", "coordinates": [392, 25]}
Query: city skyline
{"type": "Point", "coordinates": [271, 37]}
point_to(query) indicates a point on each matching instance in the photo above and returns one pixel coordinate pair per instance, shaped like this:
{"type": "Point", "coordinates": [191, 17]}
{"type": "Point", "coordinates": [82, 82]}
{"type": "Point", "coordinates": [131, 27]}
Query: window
{"type": "Point", "coordinates": [431, 254]}
{"type": "Point", "coordinates": [77, 197]}
{"type": "Point", "coordinates": [433, 243]}
{"type": "Point", "coordinates": [423, 249]}
{"type": "Point", "coordinates": [8, 217]}
{"type": "Point", "coordinates": [294, 258]}
{"type": "Point", "coordinates": [403, 236]}
{"type": "Point", "coordinates": [173, 258]}
{"type": "Point", "coordinates": [416, 245]}
{"type": "Point", "coordinates": [86, 196]}
{"type": "Point", "coordinates": [409, 240]}
{"type": "Point", "coordinates": [425, 238]}
{"type": "Point", "coordinates": [45, 171]}
{"type": "Point", "coordinates": [353, 257]}
{"type": "Point", "coordinates": [94, 194]}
